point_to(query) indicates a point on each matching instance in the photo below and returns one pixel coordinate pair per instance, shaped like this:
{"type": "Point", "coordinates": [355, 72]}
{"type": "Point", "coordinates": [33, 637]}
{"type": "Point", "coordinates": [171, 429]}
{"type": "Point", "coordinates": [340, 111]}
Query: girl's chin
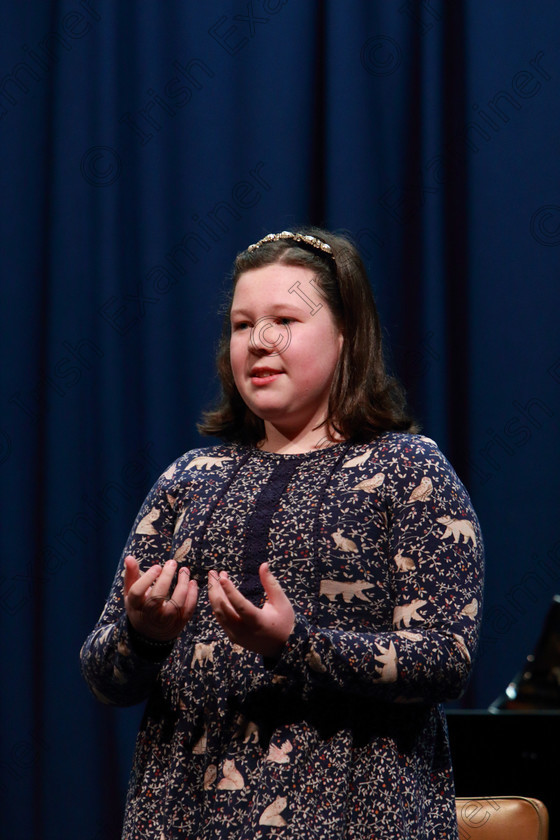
{"type": "Point", "coordinates": [269, 414]}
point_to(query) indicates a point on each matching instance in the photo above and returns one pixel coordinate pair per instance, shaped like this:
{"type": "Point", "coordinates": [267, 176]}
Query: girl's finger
{"type": "Point", "coordinates": [144, 582]}
{"type": "Point", "coordinates": [273, 590]}
{"type": "Point", "coordinates": [180, 591]}
{"type": "Point", "coordinates": [131, 573]}
{"type": "Point", "coordinates": [221, 605]}
{"type": "Point", "coordinates": [190, 600]}
{"type": "Point", "coordinates": [241, 605]}
{"type": "Point", "coordinates": [163, 584]}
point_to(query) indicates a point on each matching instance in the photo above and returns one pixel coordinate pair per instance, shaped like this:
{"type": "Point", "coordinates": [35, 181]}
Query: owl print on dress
{"type": "Point", "coordinates": [348, 589]}
{"type": "Point", "coordinates": [423, 492]}
{"type": "Point", "coordinates": [404, 564]}
{"type": "Point", "coordinates": [368, 485]}
{"type": "Point", "coordinates": [183, 550]}
{"type": "Point", "coordinates": [357, 461]}
{"type": "Point", "coordinates": [273, 814]}
{"type": "Point", "coordinates": [210, 776]}
{"type": "Point", "coordinates": [471, 610]}
{"type": "Point", "coordinates": [145, 526]}
{"type": "Point", "coordinates": [408, 612]}
{"type": "Point", "coordinates": [343, 543]}
{"type": "Point", "coordinates": [232, 778]}
{"type": "Point", "coordinates": [206, 462]}
{"type": "Point", "coordinates": [457, 528]}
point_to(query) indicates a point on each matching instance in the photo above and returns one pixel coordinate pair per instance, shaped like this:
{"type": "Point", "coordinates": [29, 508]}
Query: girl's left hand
{"type": "Point", "coordinates": [264, 629]}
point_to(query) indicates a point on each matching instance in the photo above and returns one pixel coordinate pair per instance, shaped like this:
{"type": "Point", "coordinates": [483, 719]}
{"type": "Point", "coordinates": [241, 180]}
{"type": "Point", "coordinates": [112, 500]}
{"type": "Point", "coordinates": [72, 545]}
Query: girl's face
{"type": "Point", "coordinates": [284, 348]}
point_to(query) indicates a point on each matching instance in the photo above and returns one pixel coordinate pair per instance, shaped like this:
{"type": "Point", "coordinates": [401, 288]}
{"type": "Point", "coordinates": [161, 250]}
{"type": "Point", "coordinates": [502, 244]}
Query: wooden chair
{"type": "Point", "coordinates": [502, 818]}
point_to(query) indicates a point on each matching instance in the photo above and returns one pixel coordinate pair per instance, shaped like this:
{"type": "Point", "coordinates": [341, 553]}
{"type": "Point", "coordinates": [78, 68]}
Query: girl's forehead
{"type": "Point", "coordinates": [276, 274]}
{"type": "Point", "coordinates": [278, 283]}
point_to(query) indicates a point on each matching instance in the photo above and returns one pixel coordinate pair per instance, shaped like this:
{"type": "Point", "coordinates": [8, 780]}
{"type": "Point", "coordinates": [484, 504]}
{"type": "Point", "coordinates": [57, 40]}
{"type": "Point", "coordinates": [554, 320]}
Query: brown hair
{"type": "Point", "coordinates": [364, 400]}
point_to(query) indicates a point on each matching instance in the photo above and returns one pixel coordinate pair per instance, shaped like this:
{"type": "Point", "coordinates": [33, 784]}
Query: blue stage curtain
{"type": "Point", "coordinates": [142, 145]}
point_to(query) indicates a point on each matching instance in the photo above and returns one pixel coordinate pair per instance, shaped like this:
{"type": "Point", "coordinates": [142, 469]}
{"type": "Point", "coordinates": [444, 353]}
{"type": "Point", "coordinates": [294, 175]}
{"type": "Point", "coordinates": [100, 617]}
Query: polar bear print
{"type": "Point", "coordinates": [348, 589]}
{"type": "Point", "coordinates": [408, 612]}
{"type": "Point", "coordinates": [457, 528]}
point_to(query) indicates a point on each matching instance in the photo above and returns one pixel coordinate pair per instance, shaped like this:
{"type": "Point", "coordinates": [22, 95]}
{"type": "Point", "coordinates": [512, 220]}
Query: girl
{"type": "Point", "coordinates": [296, 603]}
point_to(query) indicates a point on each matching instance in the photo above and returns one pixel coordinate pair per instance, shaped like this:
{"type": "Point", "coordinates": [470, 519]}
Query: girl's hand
{"type": "Point", "coordinates": [150, 609]}
{"type": "Point", "coordinates": [264, 629]}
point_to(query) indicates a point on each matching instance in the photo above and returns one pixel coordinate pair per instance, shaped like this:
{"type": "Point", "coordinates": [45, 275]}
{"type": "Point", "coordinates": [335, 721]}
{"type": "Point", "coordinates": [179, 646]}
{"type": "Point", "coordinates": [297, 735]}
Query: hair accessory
{"type": "Point", "coordinates": [297, 237]}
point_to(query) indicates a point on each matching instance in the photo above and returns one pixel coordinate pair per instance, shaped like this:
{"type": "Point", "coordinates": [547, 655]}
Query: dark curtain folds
{"type": "Point", "coordinates": [143, 145]}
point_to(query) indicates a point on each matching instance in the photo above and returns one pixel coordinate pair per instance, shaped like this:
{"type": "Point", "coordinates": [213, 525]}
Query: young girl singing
{"type": "Point", "coordinates": [296, 603]}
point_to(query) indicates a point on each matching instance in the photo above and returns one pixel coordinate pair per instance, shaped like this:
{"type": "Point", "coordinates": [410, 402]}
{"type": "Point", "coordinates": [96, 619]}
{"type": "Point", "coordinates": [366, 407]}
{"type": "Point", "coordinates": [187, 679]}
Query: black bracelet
{"type": "Point", "coordinates": [151, 649]}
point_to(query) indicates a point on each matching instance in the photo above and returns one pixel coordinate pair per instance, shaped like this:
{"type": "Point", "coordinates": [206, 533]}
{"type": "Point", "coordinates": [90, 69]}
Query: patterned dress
{"type": "Point", "coordinates": [341, 738]}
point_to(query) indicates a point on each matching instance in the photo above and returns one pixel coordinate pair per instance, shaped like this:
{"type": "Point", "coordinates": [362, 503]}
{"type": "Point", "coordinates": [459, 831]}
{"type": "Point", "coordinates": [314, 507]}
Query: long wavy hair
{"type": "Point", "coordinates": [364, 399]}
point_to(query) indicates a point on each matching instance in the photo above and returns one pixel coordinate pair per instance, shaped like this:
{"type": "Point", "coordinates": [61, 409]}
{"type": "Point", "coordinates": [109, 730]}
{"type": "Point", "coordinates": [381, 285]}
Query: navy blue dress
{"type": "Point", "coordinates": [343, 737]}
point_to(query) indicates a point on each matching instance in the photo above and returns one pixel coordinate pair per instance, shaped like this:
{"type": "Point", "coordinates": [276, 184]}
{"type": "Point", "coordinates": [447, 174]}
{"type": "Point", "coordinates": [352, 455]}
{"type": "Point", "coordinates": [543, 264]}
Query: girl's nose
{"type": "Point", "coordinates": [270, 336]}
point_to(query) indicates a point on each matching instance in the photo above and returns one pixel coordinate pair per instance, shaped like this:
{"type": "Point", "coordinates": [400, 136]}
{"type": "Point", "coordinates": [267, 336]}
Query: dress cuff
{"type": "Point", "coordinates": [292, 661]}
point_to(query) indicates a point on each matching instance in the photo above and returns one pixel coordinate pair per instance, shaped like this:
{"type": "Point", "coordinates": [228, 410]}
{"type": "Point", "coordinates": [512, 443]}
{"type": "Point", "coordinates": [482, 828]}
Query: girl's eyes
{"type": "Point", "coordinates": [244, 325]}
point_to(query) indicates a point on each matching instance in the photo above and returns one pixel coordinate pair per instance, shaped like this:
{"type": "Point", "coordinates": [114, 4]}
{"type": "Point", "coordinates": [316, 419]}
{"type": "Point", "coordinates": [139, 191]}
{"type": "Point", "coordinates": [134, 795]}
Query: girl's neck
{"type": "Point", "coordinates": [283, 444]}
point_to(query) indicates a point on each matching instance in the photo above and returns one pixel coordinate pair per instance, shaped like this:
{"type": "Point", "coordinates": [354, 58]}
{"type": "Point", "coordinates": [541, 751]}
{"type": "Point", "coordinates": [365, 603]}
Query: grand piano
{"type": "Point", "coordinates": [513, 747]}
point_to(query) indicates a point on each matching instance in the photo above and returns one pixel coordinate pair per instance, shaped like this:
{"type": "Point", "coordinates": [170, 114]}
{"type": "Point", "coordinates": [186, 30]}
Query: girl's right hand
{"type": "Point", "coordinates": [151, 610]}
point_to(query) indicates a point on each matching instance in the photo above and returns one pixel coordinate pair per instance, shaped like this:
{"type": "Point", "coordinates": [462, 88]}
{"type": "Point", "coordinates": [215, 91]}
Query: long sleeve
{"type": "Point", "coordinates": [435, 556]}
{"type": "Point", "coordinates": [114, 670]}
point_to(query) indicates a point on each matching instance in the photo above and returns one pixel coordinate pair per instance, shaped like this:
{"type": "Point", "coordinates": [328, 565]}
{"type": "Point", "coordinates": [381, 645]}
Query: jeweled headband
{"type": "Point", "coordinates": [297, 237]}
